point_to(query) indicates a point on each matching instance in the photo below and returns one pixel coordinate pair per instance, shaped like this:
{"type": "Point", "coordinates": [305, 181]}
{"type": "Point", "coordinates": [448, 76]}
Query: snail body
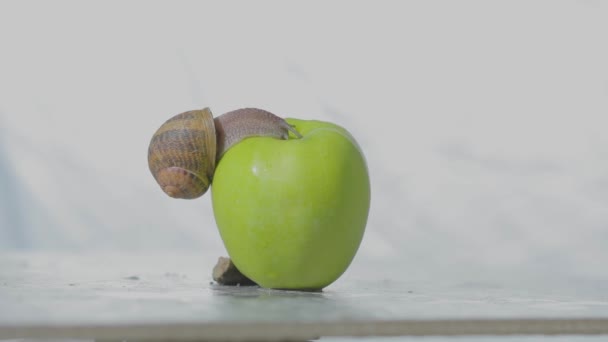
{"type": "Point", "coordinates": [184, 151]}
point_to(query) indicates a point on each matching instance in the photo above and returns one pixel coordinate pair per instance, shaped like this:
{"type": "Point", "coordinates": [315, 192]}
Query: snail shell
{"type": "Point", "coordinates": [185, 149]}
{"type": "Point", "coordinates": [182, 152]}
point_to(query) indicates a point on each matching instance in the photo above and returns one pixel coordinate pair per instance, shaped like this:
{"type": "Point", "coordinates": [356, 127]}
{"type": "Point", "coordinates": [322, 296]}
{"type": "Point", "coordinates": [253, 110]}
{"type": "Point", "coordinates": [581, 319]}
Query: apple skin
{"type": "Point", "coordinates": [292, 213]}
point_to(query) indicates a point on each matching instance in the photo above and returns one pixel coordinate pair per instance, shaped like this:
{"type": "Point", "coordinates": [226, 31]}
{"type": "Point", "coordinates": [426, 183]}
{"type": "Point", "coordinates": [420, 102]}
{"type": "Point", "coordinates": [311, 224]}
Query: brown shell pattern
{"type": "Point", "coordinates": [182, 154]}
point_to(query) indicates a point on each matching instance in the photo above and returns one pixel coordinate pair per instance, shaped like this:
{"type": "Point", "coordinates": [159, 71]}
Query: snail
{"type": "Point", "coordinates": [184, 151]}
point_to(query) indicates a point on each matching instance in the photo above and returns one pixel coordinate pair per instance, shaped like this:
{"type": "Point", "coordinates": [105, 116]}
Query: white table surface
{"type": "Point", "coordinates": [106, 291]}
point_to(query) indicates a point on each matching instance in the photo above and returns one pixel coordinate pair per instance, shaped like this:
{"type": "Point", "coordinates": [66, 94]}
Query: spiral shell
{"type": "Point", "coordinates": [182, 154]}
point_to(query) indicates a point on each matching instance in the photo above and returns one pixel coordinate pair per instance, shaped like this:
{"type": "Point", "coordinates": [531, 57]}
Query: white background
{"type": "Point", "coordinates": [483, 123]}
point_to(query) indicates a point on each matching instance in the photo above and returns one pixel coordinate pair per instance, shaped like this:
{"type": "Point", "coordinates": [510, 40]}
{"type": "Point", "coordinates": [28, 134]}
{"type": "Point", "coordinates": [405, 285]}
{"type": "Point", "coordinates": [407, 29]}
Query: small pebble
{"type": "Point", "coordinates": [132, 278]}
{"type": "Point", "coordinates": [226, 273]}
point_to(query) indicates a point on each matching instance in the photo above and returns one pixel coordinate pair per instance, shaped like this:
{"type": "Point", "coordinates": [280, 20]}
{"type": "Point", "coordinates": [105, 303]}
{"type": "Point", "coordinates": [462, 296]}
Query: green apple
{"type": "Point", "coordinates": [292, 213]}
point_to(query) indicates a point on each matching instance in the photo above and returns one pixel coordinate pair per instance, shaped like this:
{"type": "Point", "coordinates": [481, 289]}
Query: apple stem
{"type": "Point", "coordinates": [234, 126]}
